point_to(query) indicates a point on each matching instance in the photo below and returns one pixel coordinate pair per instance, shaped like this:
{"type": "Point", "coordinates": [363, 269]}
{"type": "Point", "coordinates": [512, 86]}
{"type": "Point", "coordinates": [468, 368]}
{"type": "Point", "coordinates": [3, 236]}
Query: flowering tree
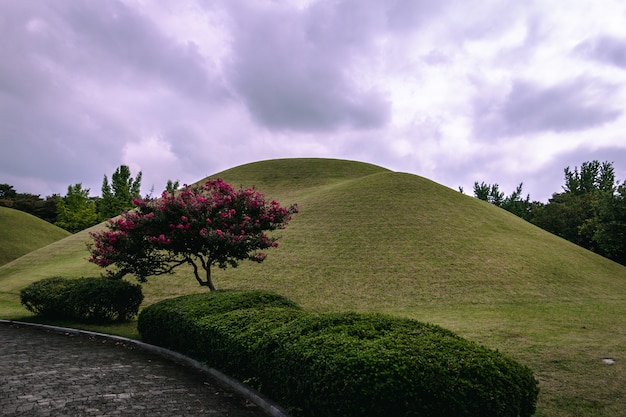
{"type": "Point", "coordinates": [201, 226]}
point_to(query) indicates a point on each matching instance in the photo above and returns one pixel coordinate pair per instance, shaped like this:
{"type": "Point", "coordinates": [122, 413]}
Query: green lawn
{"type": "Point", "coordinates": [22, 233]}
{"type": "Point", "coordinates": [368, 239]}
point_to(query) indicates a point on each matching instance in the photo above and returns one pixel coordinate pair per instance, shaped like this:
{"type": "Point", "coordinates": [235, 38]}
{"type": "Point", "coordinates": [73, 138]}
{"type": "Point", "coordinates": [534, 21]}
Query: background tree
{"type": "Point", "coordinates": [171, 186]}
{"type": "Point", "coordinates": [76, 211]}
{"type": "Point", "coordinates": [200, 226]}
{"type": "Point", "coordinates": [7, 191]}
{"type": "Point", "coordinates": [590, 211]}
{"type": "Point", "coordinates": [48, 209]}
{"type": "Point", "coordinates": [7, 195]}
{"type": "Point", "coordinates": [606, 228]}
{"type": "Point", "coordinates": [118, 196]}
{"type": "Point", "coordinates": [521, 207]}
{"type": "Point", "coordinates": [563, 215]}
{"type": "Point", "coordinates": [573, 214]}
{"type": "Point", "coordinates": [512, 203]}
{"type": "Point", "coordinates": [489, 192]}
{"type": "Point", "coordinates": [29, 203]}
{"type": "Point", "coordinates": [593, 177]}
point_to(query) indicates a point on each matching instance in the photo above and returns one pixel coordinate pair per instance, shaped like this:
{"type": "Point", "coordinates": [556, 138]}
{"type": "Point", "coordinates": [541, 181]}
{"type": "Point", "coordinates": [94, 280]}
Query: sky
{"type": "Point", "coordinates": [456, 91]}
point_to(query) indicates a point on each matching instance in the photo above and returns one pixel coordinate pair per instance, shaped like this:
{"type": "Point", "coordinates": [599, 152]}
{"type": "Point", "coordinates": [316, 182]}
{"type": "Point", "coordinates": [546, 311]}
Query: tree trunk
{"type": "Point", "coordinates": [207, 267]}
{"type": "Point", "coordinates": [209, 282]}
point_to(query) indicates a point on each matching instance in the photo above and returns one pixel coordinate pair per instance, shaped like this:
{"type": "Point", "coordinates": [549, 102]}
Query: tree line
{"type": "Point", "coordinates": [590, 211]}
{"type": "Point", "coordinates": [77, 210]}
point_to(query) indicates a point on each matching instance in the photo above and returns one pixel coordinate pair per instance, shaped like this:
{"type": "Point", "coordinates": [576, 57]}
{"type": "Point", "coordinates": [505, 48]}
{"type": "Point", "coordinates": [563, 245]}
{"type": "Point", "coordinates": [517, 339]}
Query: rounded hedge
{"type": "Point", "coordinates": [172, 323]}
{"type": "Point", "coordinates": [45, 297]}
{"type": "Point", "coordinates": [348, 364]}
{"type": "Point", "coordinates": [341, 364]}
{"type": "Point", "coordinates": [87, 299]}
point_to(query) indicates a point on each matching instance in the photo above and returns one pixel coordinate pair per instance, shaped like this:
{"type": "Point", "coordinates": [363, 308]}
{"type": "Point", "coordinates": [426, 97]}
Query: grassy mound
{"type": "Point", "coordinates": [371, 240]}
{"type": "Point", "coordinates": [21, 233]}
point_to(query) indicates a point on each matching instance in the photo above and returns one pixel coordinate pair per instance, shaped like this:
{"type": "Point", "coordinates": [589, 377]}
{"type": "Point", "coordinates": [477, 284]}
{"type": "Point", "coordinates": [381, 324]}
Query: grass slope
{"type": "Point", "coordinates": [21, 233]}
{"type": "Point", "coordinates": [369, 239]}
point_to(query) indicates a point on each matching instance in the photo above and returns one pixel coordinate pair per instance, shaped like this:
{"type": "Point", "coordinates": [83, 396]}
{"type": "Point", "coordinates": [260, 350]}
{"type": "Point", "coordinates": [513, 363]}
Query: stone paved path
{"type": "Point", "coordinates": [45, 373]}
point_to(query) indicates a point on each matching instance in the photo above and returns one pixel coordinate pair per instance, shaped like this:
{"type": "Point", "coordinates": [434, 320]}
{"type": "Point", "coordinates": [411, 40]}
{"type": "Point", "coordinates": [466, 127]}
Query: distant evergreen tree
{"type": "Point", "coordinates": [76, 211]}
{"type": "Point", "coordinates": [593, 177]}
{"type": "Point", "coordinates": [513, 203]}
{"type": "Point", "coordinates": [172, 186]}
{"type": "Point", "coordinates": [489, 192]}
{"type": "Point", "coordinates": [118, 196]}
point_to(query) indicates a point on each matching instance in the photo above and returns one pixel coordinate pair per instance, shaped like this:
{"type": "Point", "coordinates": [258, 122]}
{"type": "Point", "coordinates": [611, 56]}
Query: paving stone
{"type": "Point", "coordinates": [46, 373]}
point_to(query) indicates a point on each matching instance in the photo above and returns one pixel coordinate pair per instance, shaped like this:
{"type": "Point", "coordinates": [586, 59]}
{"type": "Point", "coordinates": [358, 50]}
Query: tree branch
{"type": "Point", "coordinates": [195, 271]}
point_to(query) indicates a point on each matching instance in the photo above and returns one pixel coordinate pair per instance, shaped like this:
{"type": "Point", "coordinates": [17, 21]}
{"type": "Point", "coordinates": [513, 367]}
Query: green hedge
{"type": "Point", "coordinates": [341, 364]}
{"type": "Point", "coordinates": [172, 323]}
{"type": "Point", "coordinates": [346, 364]}
{"type": "Point", "coordinates": [88, 299]}
{"type": "Point", "coordinates": [45, 298]}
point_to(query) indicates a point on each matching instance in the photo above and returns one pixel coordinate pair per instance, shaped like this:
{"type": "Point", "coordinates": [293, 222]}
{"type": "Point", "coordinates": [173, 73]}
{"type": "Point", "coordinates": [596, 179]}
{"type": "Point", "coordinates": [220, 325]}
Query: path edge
{"type": "Point", "coordinates": [248, 393]}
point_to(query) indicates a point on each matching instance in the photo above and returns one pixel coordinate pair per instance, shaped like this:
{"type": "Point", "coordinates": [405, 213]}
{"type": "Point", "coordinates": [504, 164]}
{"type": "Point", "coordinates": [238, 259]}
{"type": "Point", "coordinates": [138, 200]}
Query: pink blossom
{"type": "Point", "coordinates": [241, 231]}
{"type": "Point", "coordinates": [259, 257]}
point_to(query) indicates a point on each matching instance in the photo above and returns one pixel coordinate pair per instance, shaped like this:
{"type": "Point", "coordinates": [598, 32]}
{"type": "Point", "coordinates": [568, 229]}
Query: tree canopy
{"type": "Point", "coordinates": [210, 225]}
{"type": "Point", "coordinates": [593, 177]}
{"type": "Point", "coordinates": [76, 211]}
{"type": "Point", "coordinates": [7, 191]}
{"type": "Point", "coordinates": [514, 203]}
{"type": "Point", "coordinates": [118, 196]}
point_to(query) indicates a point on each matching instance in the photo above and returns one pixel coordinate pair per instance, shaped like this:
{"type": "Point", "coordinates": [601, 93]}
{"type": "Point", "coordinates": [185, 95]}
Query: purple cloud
{"type": "Point", "coordinates": [529, 108]}
{"type": "Point", "coordinates": [606, 49]}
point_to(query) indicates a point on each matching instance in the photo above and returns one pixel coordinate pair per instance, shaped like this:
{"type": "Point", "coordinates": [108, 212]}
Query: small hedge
{"type": "Point", "coordinates": [45, 298]}
{"type": "Point", "coordinates": [172, 323]}
{"type": "Point", "coordinates": [341, 364]}
{"type": "Point", "coordinates": [89, 299]}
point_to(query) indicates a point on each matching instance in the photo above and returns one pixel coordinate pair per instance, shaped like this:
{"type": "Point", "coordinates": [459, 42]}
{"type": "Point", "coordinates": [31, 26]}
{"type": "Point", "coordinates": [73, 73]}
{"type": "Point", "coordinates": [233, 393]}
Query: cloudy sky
{"type": "Point", "coordinates": [456, 91]}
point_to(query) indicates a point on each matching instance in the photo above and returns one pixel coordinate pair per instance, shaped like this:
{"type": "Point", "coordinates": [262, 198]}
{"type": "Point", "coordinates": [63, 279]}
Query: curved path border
{"type": "Point", "coordinates": [246, 392]}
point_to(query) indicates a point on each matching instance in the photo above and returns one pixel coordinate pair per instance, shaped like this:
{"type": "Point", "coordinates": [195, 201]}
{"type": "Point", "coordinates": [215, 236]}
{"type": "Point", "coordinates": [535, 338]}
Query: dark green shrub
{"type": "Point", "coordinates": [341, 364]}
{"type": "Point", "coordinates": [172, 323]}
{"type": "Point", "coordinates": [46, 297]}
{"type": "Point", "coordinates": [103, 300]}
{"type": "Point", "coordinates": [373, 365]}
{"type": "Point", "coordinates": [231, 341]}
{"type": "Point", "coordinates": [89, 299]}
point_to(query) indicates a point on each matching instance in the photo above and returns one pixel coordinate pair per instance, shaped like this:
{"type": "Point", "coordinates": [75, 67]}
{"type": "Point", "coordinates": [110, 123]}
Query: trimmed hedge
{"type": "Point", "coordinates": [87, 299]}
{"type": "Point", "coordinates": [172, 323]}
{"type": "Point", "coordinates": [45, 298]}
{"type": "Point", "coordinates": [341, 364]}
{"type": "Point", "coordinates": [347, 364]}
